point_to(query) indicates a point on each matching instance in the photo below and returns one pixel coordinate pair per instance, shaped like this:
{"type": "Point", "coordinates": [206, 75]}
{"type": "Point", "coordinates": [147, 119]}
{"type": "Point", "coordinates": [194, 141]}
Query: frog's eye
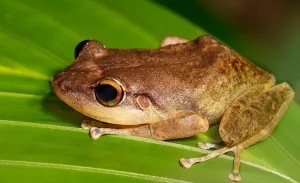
{"type": "Point", "coordinates": [109, 93]}
{"type": "Point", "coordinates": [79, 47]}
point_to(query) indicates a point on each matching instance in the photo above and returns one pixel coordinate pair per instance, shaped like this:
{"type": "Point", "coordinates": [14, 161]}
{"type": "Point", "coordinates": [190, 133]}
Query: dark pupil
{"type": "Point", "coordinates": [106, 92]}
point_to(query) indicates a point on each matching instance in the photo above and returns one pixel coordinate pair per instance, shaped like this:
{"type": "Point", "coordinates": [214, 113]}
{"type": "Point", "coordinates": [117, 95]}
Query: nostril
{"type": "Point", "coordinates": [57, 82]}
{"type": "Point", "coordinates": [66, 82]}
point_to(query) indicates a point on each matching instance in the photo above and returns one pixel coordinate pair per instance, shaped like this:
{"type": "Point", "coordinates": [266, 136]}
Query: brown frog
{"type": "Point", "coordinates": [172, 92]}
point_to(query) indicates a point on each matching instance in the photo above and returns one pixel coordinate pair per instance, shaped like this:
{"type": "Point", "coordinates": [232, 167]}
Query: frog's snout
{"type": "Point", "coordinates": [57, 83]}
{"type": "Point", "coordinates": [62, 87]}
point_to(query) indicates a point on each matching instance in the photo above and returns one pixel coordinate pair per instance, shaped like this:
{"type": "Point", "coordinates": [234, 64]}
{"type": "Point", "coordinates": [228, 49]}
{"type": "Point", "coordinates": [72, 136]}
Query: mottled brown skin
{"type": "Point", "coordinates": [177, 91]}
{"type": "Point", "coordinates": [254, 111]}
{"type": "Point", "coordinates": [202, 76]}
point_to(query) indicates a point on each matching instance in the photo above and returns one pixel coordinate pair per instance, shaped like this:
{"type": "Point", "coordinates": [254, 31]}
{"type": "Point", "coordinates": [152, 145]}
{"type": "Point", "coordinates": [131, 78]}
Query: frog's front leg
{"type": "Point", "coordinates": [182, 124]}
{"type": "Point", "coordinates": [248, 120]}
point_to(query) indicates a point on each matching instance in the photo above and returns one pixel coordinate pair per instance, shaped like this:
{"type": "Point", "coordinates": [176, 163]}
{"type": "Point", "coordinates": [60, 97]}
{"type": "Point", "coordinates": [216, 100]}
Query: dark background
{"type": "Point", "coordinates": [268, 28]}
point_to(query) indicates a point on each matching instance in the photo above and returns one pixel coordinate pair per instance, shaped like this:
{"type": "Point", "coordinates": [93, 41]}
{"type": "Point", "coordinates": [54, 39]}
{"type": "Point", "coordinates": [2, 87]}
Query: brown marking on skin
{"type": "Point", "coordinates": [260, 109]}
{"type": "Point", "coordinates": [255, 107]}
{"type": "Point", "coordinates": [143, 102]}
{"type": "Point", "coordinates": [202, 76]}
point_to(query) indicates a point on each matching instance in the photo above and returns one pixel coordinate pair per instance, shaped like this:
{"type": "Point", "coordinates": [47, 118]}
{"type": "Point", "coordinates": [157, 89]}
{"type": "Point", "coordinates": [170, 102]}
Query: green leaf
{"type": "Point", "coordinates": [40, 137]}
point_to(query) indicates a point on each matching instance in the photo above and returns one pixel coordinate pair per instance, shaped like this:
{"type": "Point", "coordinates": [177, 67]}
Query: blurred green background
{"type": "Point", "coordinates": [266, 32]}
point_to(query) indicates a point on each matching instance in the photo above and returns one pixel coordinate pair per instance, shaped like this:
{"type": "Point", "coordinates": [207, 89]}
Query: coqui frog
{"type": "Point", "coordinates": [175, 91]}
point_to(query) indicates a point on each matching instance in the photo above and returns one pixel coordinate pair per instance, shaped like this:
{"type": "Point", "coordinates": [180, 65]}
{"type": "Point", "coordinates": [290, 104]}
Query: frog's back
{"type": "Point", "coordinates": [201, 75]}
{"type": "Point", "coordinates": [221, 77]}
{"type": "Point", "coordinates": [213, 76]}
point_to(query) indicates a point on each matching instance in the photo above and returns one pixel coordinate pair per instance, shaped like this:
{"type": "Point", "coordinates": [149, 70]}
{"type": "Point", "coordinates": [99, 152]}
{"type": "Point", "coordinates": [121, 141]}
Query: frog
{"type": "Point", "coordinates": [175, 91]}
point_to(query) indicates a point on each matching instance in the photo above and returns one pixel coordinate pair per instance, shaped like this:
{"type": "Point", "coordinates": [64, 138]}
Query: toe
{"type": "Point", "coordinates": [234, 176]}
{"type": "Point", "coordinates": [95, 133]}
{"type": "Point", "coordinates": [185, 163]}
{"type": "Point", "coordinates": [85, 124]}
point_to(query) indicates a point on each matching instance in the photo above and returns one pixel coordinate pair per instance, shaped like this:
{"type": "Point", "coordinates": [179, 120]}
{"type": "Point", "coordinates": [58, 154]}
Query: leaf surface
{"type": "Point", "coordinates": [40, 136]}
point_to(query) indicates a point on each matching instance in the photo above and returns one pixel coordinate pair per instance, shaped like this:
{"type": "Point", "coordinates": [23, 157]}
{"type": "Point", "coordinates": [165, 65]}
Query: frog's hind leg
{"type": "Point", "coordinates": [250, 119]}
{"type": "Point", "coordinates": [187, 163]}
{"type": "Point", "coordinates": [234, 176]}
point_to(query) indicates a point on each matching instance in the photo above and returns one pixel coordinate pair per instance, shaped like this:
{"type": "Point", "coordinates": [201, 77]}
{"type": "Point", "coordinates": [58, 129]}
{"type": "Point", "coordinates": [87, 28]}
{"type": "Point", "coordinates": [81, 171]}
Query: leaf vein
{"type": "Point", "coordinates": [90, 169]}
{"type": "Point", "coordinates": [163, 143]}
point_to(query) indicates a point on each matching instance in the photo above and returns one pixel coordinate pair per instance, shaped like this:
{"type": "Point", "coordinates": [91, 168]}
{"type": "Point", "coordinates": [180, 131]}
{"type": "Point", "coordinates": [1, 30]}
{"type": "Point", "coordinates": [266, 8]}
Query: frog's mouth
{"type": "Point", "coordinates": [73, 90]}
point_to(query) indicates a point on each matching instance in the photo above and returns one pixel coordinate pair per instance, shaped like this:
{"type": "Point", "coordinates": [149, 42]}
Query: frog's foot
{"type": "Point", "coordinates": [86, 124]}
{"type": "Point", "coordinates": [95, 133]}
{"type": "Point", "coordinates": [234, 176]}
{"type": "Point", "coordinates": [207, 146]}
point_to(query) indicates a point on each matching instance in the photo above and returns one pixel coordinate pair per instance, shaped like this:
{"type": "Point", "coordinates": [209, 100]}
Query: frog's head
{"type": "Point", "coordinates": [93, 86]}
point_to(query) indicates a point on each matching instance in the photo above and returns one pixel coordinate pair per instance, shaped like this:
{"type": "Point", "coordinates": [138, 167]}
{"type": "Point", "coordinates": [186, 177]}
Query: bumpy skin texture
{"type": "Point", "coordinates": [176, 91]}
{"type": "Point", "coordinates": [202, 76]}
{"type": "Point", "coordinates": [256, 111]}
